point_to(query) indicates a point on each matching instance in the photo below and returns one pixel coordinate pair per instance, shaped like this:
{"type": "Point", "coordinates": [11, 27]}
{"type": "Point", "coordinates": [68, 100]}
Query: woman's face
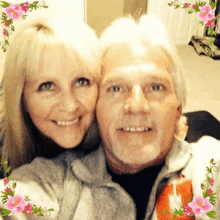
{"type": "Point", "coordinates": [61, 99]}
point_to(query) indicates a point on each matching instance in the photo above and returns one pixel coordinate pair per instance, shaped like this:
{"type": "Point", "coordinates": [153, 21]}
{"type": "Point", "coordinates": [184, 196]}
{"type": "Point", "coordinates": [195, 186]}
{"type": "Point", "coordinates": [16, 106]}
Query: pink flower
{"type": "Point", "coordinates": [15, 204]}
{"type": "Point", "coordinates": [4, 33]}
{"type": "Point", "coordinates": [209, 191]}
{"type": "Point", "coordinates": [28, 209]}
{"type": "Point", "coordinates": [200, 206]}
{"type": "Point", "coordinates": [7, 190]}
{"type": "Point", "coordinates": [194, 6]}
{"type": "Point", "coordinates": [186, 4]}
{"type": "Point", "coordinates": [14, 11]}
{"type": "Point", "coordinates": [188, 211]}
{"type": "Point", "coordinates": [25, 7]}
{"type": "Point", "coordinates": [6, 24]}
{"type": "Point", "coordinates": [5, 180]}
{"type": "Point", "coordinates": [210, 23]}
{"type": "Point", "coordinates": [212, 181]}
{"type": "Point", "coordinates": [206, 13]}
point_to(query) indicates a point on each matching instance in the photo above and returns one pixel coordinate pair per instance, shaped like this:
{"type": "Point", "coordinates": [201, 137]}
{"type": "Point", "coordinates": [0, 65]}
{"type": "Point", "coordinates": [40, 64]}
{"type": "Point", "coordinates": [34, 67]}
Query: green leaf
{"type": "Point", "coordinates": [53, 210]}
{"type": "Point", "coordinates": [3, 162]}
{"type": "Point", "coordinates": [25, 213]}
{"type": "Point", "coordinates": [211, 214]}
{"type": "Point", "coordinates": [8, 170]}
{"type": "Point", "coordinates": [5, 212]}
{"type": "Point", "coordinates": [177, 6]}
{"type": "Point", "coordinates": [45, 6]}
{"type": "Point", "coordinates": [5, 4]}
{"type": "Point", "coordinates": [208, 169]}
{"type": "Point", "coordinates": [213, 4]}
{"type": "Point", "coordinates": [205, 194]}
{"type": "Point", "coordinates": [6, 42]}
{"type": "Point", "coordinates": [10, 21]}
{"type": "Point", "coordinates": [196, 9]}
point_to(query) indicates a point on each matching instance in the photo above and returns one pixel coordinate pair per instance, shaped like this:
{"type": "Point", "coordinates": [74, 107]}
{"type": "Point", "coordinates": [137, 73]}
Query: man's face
{"type": "Point", "coordinates": [137, 109]}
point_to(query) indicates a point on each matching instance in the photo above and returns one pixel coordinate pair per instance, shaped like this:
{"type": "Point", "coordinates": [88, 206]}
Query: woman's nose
{"type": "Point", "coordinates": [137, 102]}
{"type": "Point", "coordinates": [68, 102]}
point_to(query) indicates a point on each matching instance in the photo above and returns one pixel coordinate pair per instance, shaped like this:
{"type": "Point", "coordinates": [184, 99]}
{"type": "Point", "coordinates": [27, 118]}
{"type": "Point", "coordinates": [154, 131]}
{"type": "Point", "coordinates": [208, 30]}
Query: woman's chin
{"type": "Point", "coordinates": [69, 143]}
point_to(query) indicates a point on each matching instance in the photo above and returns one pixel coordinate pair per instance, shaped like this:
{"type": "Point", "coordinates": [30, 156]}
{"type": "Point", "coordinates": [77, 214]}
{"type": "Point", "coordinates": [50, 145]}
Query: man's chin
{"type": "Point", "coordinates": [136, 154]}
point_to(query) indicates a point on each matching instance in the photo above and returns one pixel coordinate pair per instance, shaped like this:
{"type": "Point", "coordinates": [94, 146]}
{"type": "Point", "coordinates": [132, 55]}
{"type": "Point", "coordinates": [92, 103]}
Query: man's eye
{"type": "Point", "coordinates": [157, 87]}
{"type": "Point", "coordinates": [115, 89]}
{"type": "Point", "coordinates": [47, 86]}
{"type": "Point", "coordinates": [81, 82]}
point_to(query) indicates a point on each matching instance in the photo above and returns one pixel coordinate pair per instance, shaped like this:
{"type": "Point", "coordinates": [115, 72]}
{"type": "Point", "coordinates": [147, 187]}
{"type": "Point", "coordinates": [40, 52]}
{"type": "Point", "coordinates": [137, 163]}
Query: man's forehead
{"type": "Point", "coordinates": [134, 54]}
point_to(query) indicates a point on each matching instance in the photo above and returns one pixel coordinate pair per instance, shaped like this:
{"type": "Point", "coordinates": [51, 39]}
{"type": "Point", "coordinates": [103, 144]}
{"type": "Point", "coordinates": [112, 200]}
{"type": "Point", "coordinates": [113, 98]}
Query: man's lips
{"type": "Point", "coordinates": [135, 129]}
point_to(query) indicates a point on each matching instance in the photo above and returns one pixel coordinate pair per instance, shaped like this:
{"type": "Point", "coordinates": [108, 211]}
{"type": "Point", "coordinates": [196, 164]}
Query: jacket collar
{"type": "Point", "coordinates": [178, 156]}
{"type": "Point", "coordinates": [92, 167]}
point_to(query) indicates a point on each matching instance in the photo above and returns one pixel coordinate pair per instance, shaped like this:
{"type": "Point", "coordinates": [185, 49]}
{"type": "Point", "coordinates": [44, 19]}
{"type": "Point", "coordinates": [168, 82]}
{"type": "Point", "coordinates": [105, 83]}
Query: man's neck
{"type": "Point", "coordinates": [119, 167]}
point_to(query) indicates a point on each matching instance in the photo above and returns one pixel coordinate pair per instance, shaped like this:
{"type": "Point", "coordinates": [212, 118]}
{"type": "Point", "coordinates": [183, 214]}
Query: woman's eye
{"type": "Point", "coordinates": [115, 89]}
{"type": "Point", "coordinates": [157, 87]}
{"type": "Point", "coordinates": [47, 86]}
{"type": "Point", "coordinates": [81, 82]}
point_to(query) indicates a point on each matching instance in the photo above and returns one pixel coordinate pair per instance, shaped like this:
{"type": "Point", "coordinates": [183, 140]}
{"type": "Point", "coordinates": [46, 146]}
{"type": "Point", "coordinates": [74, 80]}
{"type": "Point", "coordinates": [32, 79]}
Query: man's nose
{"type": "Point", "coordinates": [68, 102]}
{"type": "Point", "coordinates": [137, 102]}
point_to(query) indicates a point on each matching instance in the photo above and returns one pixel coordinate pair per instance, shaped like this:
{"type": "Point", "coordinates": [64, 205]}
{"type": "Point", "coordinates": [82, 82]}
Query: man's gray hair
{"type": "Point", "coordinates": [148, 31]}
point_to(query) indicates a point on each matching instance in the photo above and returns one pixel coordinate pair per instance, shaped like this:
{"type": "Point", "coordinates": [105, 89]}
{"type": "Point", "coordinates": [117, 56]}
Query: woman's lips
{"type": "Point", "coordinates": [66, 123]}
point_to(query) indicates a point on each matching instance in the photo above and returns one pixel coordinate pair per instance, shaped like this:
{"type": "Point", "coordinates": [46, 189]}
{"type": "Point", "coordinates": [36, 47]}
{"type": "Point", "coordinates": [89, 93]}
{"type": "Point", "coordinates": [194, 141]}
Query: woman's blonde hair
{"type": "Point", "coordinates": [40, 33]}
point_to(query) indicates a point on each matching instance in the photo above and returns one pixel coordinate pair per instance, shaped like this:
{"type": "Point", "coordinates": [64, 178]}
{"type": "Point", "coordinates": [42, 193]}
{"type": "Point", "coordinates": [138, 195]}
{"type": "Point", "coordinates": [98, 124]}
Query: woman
{"type": "Point", "coordinates": [50, 87]}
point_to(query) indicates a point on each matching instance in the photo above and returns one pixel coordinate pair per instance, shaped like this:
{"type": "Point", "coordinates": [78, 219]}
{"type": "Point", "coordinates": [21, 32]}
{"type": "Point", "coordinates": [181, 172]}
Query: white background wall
{"type": "Point", "coordinates": [179, 23]}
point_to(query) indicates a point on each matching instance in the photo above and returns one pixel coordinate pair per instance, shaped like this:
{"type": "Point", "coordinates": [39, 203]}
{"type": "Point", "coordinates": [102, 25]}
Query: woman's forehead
{"type": "Point", "coordinates": [54, 60]}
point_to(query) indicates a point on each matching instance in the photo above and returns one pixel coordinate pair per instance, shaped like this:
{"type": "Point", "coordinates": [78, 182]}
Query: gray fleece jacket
{"type": "Point", "coordinates": [80, 188]}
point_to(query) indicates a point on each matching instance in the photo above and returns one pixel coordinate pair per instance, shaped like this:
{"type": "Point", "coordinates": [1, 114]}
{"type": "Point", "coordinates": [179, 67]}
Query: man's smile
{"type": "Point", "coordinates": [135, 129]}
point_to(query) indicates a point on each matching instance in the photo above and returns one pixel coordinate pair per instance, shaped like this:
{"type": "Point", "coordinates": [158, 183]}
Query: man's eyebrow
{"type": "Point", "coordinates": [150, 77]}
{"type": "Point", "coordinates": [112, 79]}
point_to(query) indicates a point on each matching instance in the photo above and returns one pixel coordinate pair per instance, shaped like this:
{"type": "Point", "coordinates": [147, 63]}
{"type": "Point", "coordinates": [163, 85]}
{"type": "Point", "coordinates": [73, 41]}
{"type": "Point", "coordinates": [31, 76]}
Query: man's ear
{"type": "Point", "coordinates": [181, 127]}
{"type": "Point", "coordinates": [179, 110]}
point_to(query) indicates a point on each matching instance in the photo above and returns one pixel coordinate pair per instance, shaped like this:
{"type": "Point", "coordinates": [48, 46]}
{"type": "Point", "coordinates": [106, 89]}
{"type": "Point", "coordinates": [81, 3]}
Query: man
{"type": "Point", "coordinates": [139, 109]}
{"type": "Point", "coordinates": [143, 169]}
